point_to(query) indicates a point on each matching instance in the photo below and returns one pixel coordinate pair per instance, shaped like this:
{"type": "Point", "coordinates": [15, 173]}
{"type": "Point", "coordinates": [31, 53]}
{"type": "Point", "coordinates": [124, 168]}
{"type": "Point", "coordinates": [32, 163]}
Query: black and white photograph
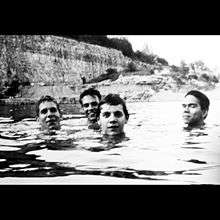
{"type": "Point", "coordinates": [109, 109]}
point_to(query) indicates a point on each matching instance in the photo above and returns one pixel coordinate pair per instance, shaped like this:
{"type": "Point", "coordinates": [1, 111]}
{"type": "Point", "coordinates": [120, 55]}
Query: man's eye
{"type": "Point", "coordinates": [193, 105]}
{"type": "Point", "coordinates": [184, 105]}
{"type": "Point", "coordinates": [53, 109]}
{"type": "Point", "coordinates": [86, 105]}
{"type": "Point", "coordinates": [118, 114]}
{"type": "Point", "coordinates": [106, 114]}
{"type": "Point", "coordinates": [94, 104]}
{"type": "Point", "coordinates": [43, 111]}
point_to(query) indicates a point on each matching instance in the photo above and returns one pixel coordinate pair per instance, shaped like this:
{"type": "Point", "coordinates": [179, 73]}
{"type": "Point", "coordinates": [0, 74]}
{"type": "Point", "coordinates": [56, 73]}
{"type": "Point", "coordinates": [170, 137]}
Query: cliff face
{"type": "Point", "coordinates": [54, 60]}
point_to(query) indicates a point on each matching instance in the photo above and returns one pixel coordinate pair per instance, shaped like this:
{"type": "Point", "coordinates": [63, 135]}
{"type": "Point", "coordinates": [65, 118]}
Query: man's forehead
{"type": "Point", "coordinates": [89, 98]}
{"type": "Point", "coordinates": [191, 99]}
{"type": "Point", "coordinates": [111, 108]}
{"type": "Point", "coordinates": [47, 104]}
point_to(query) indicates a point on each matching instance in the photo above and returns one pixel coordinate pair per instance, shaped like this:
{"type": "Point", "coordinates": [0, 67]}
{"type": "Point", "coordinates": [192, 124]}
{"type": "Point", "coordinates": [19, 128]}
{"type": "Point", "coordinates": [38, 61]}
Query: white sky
{"type": "Point", "coordinates": [175, 48]}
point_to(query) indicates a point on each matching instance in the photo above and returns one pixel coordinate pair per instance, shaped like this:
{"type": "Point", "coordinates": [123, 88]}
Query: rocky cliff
{"type": "Point", "coordinates": [52, 60]}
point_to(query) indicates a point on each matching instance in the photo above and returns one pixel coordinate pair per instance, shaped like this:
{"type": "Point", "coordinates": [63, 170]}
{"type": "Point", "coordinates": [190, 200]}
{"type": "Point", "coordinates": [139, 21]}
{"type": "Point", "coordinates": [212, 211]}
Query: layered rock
{"type": "Point", "coordinates": [53, 60]}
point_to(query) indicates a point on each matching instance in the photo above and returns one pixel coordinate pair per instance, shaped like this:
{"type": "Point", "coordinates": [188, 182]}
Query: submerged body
{"type": "Point", "coordinates": [158, 151]}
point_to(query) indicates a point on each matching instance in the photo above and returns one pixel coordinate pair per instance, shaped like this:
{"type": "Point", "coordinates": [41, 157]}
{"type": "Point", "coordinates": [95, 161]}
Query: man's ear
{"type": "Point", "coordinates": [204, 113]}
{"type": "Point", "coordinates": [61, 116]}
{"type": "Point", "coordinates": [98, 121]}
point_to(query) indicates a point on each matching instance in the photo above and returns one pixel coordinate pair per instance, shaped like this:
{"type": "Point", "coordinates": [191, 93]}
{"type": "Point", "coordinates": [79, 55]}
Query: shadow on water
{"type": "Point", "coordinates": [192, 135]}
{"type": "Point", "coordinates": [19, 164]}
{"type": "Point", "coordinates": [107, 144]}
{"type": "Point", "coordinates": [17, 111]}
{"type": "Point", "coordinates": [61, 144]}
{"type": "Point", "coordinates": [22, 163]}
{"type": "Point", "coordinates": [196, 161]}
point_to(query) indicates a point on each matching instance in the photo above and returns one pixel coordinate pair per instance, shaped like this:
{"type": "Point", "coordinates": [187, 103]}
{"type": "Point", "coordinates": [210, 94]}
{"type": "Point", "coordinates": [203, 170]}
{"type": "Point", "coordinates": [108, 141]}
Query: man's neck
{"type": "Point", "coordinates": [93, 125]}
{"type": "Point", "coordinates": [200, 124]}
{"type": "Point", "coordinates": [114, 137]}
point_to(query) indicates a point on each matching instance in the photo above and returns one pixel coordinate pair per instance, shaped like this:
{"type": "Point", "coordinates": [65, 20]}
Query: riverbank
{"type": "Point", "coordinates": [151, 88]}
{"type": "Point", "coordinates": [131, 92]}
{"type": "Point", "coordinates": [131, 86]}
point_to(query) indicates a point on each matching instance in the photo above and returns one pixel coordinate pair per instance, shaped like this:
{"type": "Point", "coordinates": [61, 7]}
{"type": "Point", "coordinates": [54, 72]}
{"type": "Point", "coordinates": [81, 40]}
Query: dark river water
{"type": "Point", "coordinates": [156, 149]}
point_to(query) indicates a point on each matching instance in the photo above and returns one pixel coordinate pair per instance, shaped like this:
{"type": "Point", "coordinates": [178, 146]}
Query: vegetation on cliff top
{"type": "Point", "coordinates": [121, 44]}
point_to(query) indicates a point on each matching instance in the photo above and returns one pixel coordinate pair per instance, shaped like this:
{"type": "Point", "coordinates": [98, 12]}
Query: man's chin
{"type": "Point", "coordinates": [114, 136]}
{"type": "Point", "coordinates": [92, 120]}
{"type": "Point", "coordinates": [114, 133]}
{"type": "Point", "coordinates": [186, 121]}
{"type": "Point", "coordinates": [52, 127]}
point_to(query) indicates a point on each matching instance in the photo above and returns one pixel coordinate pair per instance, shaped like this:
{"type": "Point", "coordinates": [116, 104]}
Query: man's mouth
{"type": "Point", "coordinates": [186, 116]}
{"type": "Point", "coordinates": [113, 127]}
{"type": "Point", "coordinates": [91, 114]}
{"type": "Point", "coordinates": [51, 121]}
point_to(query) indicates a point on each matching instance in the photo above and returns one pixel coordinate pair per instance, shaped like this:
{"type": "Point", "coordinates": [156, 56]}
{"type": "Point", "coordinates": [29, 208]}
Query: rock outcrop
{"type": "Point", "coordinates": [53, 60]}
{"type": "Point", "coordinates": [47, 60]}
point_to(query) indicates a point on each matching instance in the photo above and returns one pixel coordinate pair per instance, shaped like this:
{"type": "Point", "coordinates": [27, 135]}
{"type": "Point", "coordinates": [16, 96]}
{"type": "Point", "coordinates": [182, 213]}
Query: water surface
{"type": "Point", "coordinates": [156, 151]}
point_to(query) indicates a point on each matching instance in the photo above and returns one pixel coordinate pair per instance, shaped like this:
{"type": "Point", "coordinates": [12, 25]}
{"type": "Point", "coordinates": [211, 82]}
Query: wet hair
{"type": "Point", "coordinates": [203, 99]}
{"type": "Point", "coordinates": [113, 99]}
{"type": "Point", "coordinates": [92, 92]}
{"type": "Point", "coordinates": [46, 98]}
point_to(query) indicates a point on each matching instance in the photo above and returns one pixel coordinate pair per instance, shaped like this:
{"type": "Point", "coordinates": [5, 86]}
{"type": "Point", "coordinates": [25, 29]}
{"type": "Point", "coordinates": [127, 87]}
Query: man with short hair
{"type": "Point", "coordinates": [48, 114]}
{"type": "Point", "coordinates": [195, 109]}
{"type": "Point", "coordinates": [112, 115]}
{"type": "Point", "coordinates": [89, 100]}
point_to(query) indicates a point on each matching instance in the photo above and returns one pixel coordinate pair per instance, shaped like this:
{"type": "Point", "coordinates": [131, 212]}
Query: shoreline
{"type": "Point", "coordinates": [130, 88]}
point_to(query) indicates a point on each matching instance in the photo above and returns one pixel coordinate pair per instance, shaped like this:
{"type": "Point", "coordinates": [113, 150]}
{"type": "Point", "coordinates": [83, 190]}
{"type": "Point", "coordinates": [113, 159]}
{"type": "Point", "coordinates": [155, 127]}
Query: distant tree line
{"type": "Point", "coordinates": [121, 44]}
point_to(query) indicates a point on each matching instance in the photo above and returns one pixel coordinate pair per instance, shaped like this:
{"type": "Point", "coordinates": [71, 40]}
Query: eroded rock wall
{"type": "Point", "coordinates": [54, 60]}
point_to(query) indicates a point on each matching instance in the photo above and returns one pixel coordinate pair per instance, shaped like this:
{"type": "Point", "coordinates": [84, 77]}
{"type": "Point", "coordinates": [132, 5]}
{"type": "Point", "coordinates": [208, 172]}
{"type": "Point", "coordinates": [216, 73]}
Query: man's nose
{"type": "Point", "coordinates": [90, 107]}
{"type": "Point", "coordinates": [112, 118]}
{"type": "Point", "coordinates": [49, 112]}
{"type": "Point", "coordinates": [186, 108]}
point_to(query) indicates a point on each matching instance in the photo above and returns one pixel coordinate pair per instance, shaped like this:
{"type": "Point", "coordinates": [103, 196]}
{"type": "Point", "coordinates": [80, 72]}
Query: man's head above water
{"type": "Point", "coordinates": [48, 113]}
{"type": "Point", "coordinates": [195, 108]}
{"type": "Point", "coordinates": [89, 100]}
{"type": "Point", "coordinates": [112, 115]}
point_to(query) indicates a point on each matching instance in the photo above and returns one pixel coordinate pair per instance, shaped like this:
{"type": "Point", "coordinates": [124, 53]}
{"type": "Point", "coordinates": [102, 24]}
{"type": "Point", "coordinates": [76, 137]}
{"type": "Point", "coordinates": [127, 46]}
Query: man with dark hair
{"type": "Point", "coordinates": [195, 109]}
{"type": "Point", "coordinates": [48, 113]}
{"type": "Point", "coordinates": [112, 115]}
{"type": "Point", "coordinates": [89, 100]}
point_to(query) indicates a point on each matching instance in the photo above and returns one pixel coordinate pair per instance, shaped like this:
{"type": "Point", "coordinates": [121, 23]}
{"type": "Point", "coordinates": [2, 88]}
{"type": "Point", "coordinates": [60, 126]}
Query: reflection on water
{"type": "Point", "coordinates": [156, 150]}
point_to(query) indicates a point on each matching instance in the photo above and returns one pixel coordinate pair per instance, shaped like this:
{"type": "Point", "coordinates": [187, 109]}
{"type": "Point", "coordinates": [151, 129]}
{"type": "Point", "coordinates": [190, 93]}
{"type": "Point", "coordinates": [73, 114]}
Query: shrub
{"type": "Point", "coordinates": [215, 79]}
{"type": "Point", "coordinates": [123, 45]}
{"type": "Point", "coordinates": [162, 61]}
{"type": "Point", "coordinates": [146, 58]}
{"type": "Point", "coordinates": [193, 76]}
{"type": "Point", "coordinates": [175, 68]}
{"type": "Point", "coordinates": [111, 71]}
{"type": "Point", "coordinates": [131, 67]}
{"type": "Point", "coordinates": [205, 77]}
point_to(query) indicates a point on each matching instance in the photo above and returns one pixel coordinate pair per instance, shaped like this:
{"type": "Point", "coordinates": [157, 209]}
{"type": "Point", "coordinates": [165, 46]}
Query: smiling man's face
{"type": "Point", "coordinates": [112, 119]}
{"type": "Point", "coordinates": [49, 116]}
{"type": "Point", "coordinates": [90, 106]}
